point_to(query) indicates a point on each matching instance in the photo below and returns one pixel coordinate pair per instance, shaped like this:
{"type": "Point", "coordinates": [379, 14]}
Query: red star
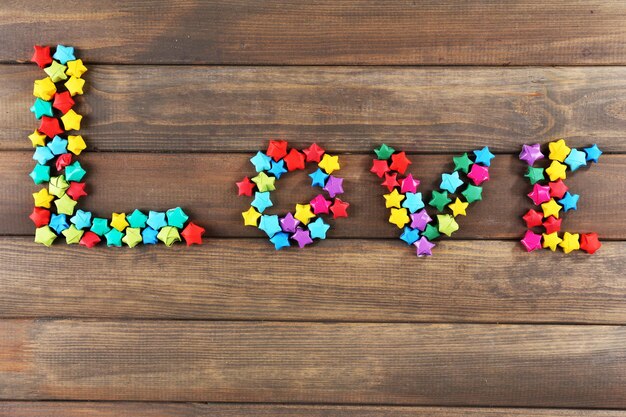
{"type": "Point", "coordinates": [294, 160]}
{"type": "Point", "coordinates": [42, 56]}
{"type": "Point", "coordinates": [277, 149]}
{"type": "Point", "coordinates": [533, 218]}
{"type": "Point", "coordinates": [339, 208]}
{"type": "Point", "coordinates": [40, 216]}
{"type": "Point", "coordinates": [314, 153]}
{"type": "Point", "coordinates": [391, 181]}
{"type": "Point", "coordinates": [552, 225]}
{"type": "Point", "coordinates": [63, 160]}
{"type": "Point", "coordinates": [400, 162]}
{"type": "Point", "coordinates": [245, 187]}
{"type": "Point", "coordinates": [558, 188]}
{"type": "Point", "coordinates": [193, 234]}
{"type": "Point", "coordinates": [380, 167]}
{"type": "Point", "coordinates": [50, 126]}
{"type": "Point", "coordinates": [89, 239]}
{"type": "Point", "coordinates": [589, 242]}
{"type": "Point", "coordinates": [63, 101]}
{"type": "Point", "coordinates": [76, 190]}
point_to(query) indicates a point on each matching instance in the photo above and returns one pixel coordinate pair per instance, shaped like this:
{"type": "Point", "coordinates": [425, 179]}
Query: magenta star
{"type": "Point", "coordinates": [320, 204]}
{"type": "Point", "coordinates": [531, 153]}
{"type": "Point", "coordinates": [303, 237]}
{"type": "Point", "coordinates": [424, 247]}
{"type": "Point", "coordinates": [531, 241]}
{"type": "Point", "coordinates": [478, 174]}
{"type": "Point", "coordinates": [420, 219]}
{"type": "Point", "coordinates": [409, 185]}
{"type": "Point", "coordinates": [540, 194]}
{"type": "Point", "coordinates": [334, 186]}
{"type": "Point", "coordinates": [289, 223]}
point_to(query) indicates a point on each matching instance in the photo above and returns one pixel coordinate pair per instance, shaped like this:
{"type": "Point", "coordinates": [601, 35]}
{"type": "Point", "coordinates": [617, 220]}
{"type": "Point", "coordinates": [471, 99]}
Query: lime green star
{"type": "Point", "coordinates": [57, 186]}
{"type": "Point", "coordinates": [264, 182]}
{"type": "Point", "coordinates": [462, 163]}
{"type": "Point", "coordinates": [65, 205]}
{"type": "Point", "coordinates": [439, 200]}
{"type": "Point", "coordinates": [72, 235]}
{"type": "Point", "coordinates": [44, 235]}
{"type": "Point", "coordinates": [447, 224]}
{"type": "Point", "coordinates": [473, 193]}
{"type": "Point", "coordinates": [133, 237]}
{"type": "Point", "coordinates": [384, 152]}
{"type": "Point", "coordinates": [56, 71]}
{"type": "Point", "coordinates": [168, 235]}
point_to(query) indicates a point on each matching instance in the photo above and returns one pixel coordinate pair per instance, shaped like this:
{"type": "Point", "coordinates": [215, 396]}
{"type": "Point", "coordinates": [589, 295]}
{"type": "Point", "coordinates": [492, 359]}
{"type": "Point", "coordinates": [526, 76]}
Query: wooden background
{"type": "Point", "coordinates": [182, 92]}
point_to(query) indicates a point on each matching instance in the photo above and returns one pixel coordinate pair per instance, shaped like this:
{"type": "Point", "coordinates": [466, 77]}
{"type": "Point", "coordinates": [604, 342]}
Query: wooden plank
{"type": "Point", "coordinates": [339, 280]}
{"type": "Point", "coordinates": [324, 31]}
{"type": "Point", "coordinates": [204, 184]}
{"type": "Point", "coordinates": [234, 109]}
{"type": "Point", "coordinates": [144, 409]}
{"type": "Point", "coordinates": [404, 364]}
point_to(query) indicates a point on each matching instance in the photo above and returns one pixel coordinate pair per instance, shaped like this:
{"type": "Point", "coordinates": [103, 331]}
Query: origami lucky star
{"type": "Point", "coordinates": [473, 193]}
{"type": "Point", "coordinates": [318, 229]}
{"type": "Point", "coordinates": [44, 235]}
{"type": "Point", "coordinates": [56, 72]}
{"type": "Point", "coordinates": [280, 240]}
{"type": "Point", "coordinates": [76, 68]}
{"type": "Point", "coordinates": [531, 241]}
{"type": "Point", "coordinates": [289, 223]}
{"type": "Point", "coordinates": [176, 217]}
{"type": "Point", "coordinates": [313, 153]}
{"type": "Point", "coordinates": [384, 152]}
{"type": "Point", "coordinates": [100, 226]}
{"type": "Point", "coordinates": [71, 120]}
{"type": "Point", "coordinates": [264, 182]}
{"type": "Point", "coordinates": [399, 162]}
{"type": "Point", "coordinates": [439, 200]}
{"type": "Point", "coordinates": [458, 207]}
{"type": "Point", "coordinates": [593, 153]}
{"type": "Point", "coordinates": [462, 163]}
{"type": "Point", "coordinates": [64, 53]}
{"type": "Point", "coordinates": [41, 56]}
{"type": "Point", "coordinates": [304, 213]}
{"type": "Point", "coordinates": [551, 240]}
{"type": "Point", "coordinates": [570, 242]}
{"type": "Point", "coordinates": [133, 237]}
{"type": "Point", "coordinates": [277, 169]}
{"type": "Point", "coordinates": [118, 221]}
{"type": "Point", "coordinates": [380, 167]}
{"type": "Point", "coordinates": [539, 194]}
{"type": "Point", "coordinates": [409, 235]}
{"type": "Point", "coordinates": [65, 205]}
{"type": "Point", "coordinates": [339, 208]}
{"type": "Point", "coordinates": [318, 178]}
{"type": "Point", "coordinates": [393, 199]}
{"type": "Point", "coordinates": [72, 235]}
{"type": "Point", "coordinates": [320, 205]}
{"type": "Point", "coordinates": [399, 217]}
{"type": "Point", "coordinates": [413, 202]}
{"type": "Point", "coordinates": [531, 153]}
{"type": "Point", "coordinates": [447, 224]}
{"type": "Point", "coordinates": [44, 89]}
{"type": "Point", "coordinates": [82, 219]}
{"type": "Point", "coordinates": [329, 163]}
{"type": "Point", "coordinates": [420, 220]}
{"type": "Point", "coordinates": [295, 160]}
{"type": "Point", "coordinates": [424, 247]}
{"type": "Point", "coordinates": [334, 186]}
{"type": "Point", "coordinates": [450, 182]}
{"type": "Point", "coordinates": [114, 238]}
{"type": "Point", "coordinates": [193, 234]}
{"type": "Point", "coordinates": [261, 201]}
{"type": "Point", "coordinates": [569, 201]}
{"type": "Point", "coordinates": [303, 237]}
{"type": "Point", "coordinates": [41, 108]}
{"type": "Point", "coordinates": [75, 85]}
{"type": "Point", "coordinates": [478, 174]}
{"type": "Point", "coordinates": [245, 187]}
{"type": "Point", "coordinates": [576, 159]}
{"type": "Point", "coordinates": [63, 101]}
{"type": "Point", "coordinates": [37, 138]}
{"type": "Point", "coordinates": [168, 235]}
{"type": "Point", "coordinates": [484, 156]}
{"type": "Point", "coordinates": [409, 184]}
{"type": "Point", "coordinates": [76, 144]}
{"type": "Point", "coordinates": [250, 217]}
{"type": "Point", "coordinates": [43, 198]}
{"type": "Point", "coordinates": [534, 174]}
{"type": "Point", "coordinates": [551, 208]}
{"type": "Point", "coordinates": [558, 150]}
{"type": "Point", "coordinates": [269, 224]}
{"type": "Point", "coordinates": [137, 219]}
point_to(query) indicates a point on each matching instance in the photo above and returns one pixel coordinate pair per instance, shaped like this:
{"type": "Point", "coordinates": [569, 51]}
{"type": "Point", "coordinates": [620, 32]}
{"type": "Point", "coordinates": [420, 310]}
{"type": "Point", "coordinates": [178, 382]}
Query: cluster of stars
{"type": "Point", "coordinates": [554, 197]}
{"type": "Point", "coordinates": [56, 143]}
{"type": "Point", "coordinates": [407, 207]}
{"type": "Point", "coordinates": [303, 225]}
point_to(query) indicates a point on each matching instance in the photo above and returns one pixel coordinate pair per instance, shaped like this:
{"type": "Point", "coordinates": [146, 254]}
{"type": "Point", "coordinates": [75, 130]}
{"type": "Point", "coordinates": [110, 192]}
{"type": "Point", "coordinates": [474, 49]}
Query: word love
{"type": "Point", "coordinates": [56, 143]}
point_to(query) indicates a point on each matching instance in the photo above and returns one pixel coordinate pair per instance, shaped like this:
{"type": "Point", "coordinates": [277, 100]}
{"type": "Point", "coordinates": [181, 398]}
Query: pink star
{"type": "Point", "coordinates": [539, 194]}
{"type": "Point", "coordinates": [409, 184]}
{"type": "Point", "coordinates": [478, 174]}
{"type": "Point", "coordinates": [320, 204]}
{"type": "Point", "coordinates": [531, 241]}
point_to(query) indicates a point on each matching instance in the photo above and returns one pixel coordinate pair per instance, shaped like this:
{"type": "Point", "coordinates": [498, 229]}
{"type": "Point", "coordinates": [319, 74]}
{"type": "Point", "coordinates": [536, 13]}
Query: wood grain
{"type": "Point", "coordinates": [339, 280]}
{"type": "Point", "coordinates": [429, 110]}
{"type": "Point", "coordinates": [204, 184]}
{"type": "Point", "coordinates": [451, 32]}
{"type": "Point", "coordinates": [418, 364]}
{"type": "Point", "coordinates": [144, 409]}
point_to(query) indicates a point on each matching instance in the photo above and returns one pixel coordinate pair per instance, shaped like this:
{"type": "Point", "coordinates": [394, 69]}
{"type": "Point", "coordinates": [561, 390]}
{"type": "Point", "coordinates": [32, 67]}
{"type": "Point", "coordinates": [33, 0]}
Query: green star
{"type": "Point", "coordinates": [462, 163]}
{"type": "Point", "coordinates": [384, 152]}
{"type": "Point", "coordinates": [473, 193]}
{"type": "Point", "coordinates": [176, 217]}
{"type": "Point", "coordinates": [534, 175]}
{"type": "Point", "coordinates": [431, 233]}
{"type": "Point", "coordinates": [439, 200]}
{"type": "Point", "coordinates": [56, 72]}
{"type": "Point", "coordinates": [133, 237]}
{"type": "Point", "coordinates": [168, 235]}
{"type": "Point", "coordinates": [264, 182]}
{"type": "Point", "coordinates": [44, 235]}
{"type": "Point", "coordinates": [65, 205]}
{"type": "Point", "coordinates": [72, 235]}
{"type": "Point", "coordinates": [136, 219]}
{"type": "Point", "coordinates": [57, 186]}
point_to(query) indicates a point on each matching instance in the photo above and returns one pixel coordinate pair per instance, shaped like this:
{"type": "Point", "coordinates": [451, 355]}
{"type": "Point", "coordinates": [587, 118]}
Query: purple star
{"type": "Point", "coordinates": [530, 153]}
{"type": "Point", "coordinates": [303, 237]}
{"type": "Point", "coordinates": [334, 186]}
{"type": "Point", "coordinates": [289, 223]}
{"type": "Point", "coordinates": [424, 247]}
{"type": "Point", "coordinates": [420, 219]}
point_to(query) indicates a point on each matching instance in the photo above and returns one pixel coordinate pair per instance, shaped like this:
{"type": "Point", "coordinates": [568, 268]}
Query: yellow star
{"type": "Point", "coordinates": [37, 138]}
{"type": "Point", "coordinates": [551, 241]}
{"type": "Point", "coordinates": [393, 199]}
{"type": "Point", "coordinates": [118, 221]}
{"type": "Point", "coordinates": [556, 170]}
{"type": "Point", "coordinates": [304, 213]}
{"type": "Point", "coordinates": [44, 235]}
{"type": "Point", "coordinates": [56, 72]}
{"type": "Point", "coordinates": [76, 68]}
{"type": "Point", "coordinates": [329, 163]}
{"type": "Point", "coordinates": [133, 237]}
{"type": "Point", "coordinates": [65, 205]}
{"type": "Point", "coordinates": [72, 235]}
{"type": "Point", "coordinates": [251, 217]}
{"type": "Point", "coordinates": [447, 224]}
{"type": "Point", "coordinates": [75, 144]}
{"type": "Point", "coordinates": [43, 198]}
{"type": "Point", "coordinates": [551, 208]}
{"type": "Point", "coordinates": [558, 150]}
{"type": "Point", "coordinates": [71, 120]}
{"type": "Point", "coordinates": [458, 207]}
{"type": "Point", "coordinates": [44, 89]}
{"type": "Point", "coordinates": [399, 217]}
{"type": "Point", "coordinates": [264, 182]}
{"type": "Point", "coordinates": [75, 85]}
{"type": "Point", "coordinates": [570, 242]}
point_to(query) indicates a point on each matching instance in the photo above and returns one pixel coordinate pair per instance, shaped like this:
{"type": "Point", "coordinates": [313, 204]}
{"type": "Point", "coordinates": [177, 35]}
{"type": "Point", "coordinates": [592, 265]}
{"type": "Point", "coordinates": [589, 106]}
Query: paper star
{"type": "Point", "coordinates": [556, 170]}
{"type": "Point", "coordinates": [424, 247]}
{"type": "Point", "coordinates": [534, 175]}
{"type": "Point", "coordinates": [245, 187]}
{"type": "Point", "coordinates": [63, 101]}
{"type": "Point", "coordinates": [391, 181]}
{"type": "Point", "coordinates": [570, 242]}
{"type": "Point", "coordinates": [56, 72]}
{"type": "Point", "coordinates": [569, 201]}
{"type": "Point", "coordinates": [393, 199]}
{"type": "Point", "coordinates": [280, 240]}
{"type": "Point", "coordinates": [169, 235]}
{"type": "Point", "coordinates": [74, 172]}
{"type": "Point", "coordinates": [57, 186]}
{"type": "Point", "coordinates": [447, 224]}
{"type": "Point", "coordinates": [137, 219]}
{"type": "Point", "coordinates": [277, 149]}
{"type": "Point", "coordinates": [552, 224]}
{"type": "Point", "coordinates": [593, 153]}
{"type": "Point", "coordinates": [156, 220]}
{"type": "Point", "coordinates": [339, 208]}
{"type": "Point", "coordinates": [89, 239]}
{"type": "Point", "coordinates": [379, 167]}
{"type": "Point", "coordinates": [334, 186]}
{"type": "Point", "coordinates": [558, 150]}
{"type": "Point", "coordinates": [40, 216]}
{"type": "Point", "coordinates": [41, 57]}
{"type": "Point", "coordinates": [41, 108]}
{"type": "Point", "coordinates": [58, 222]}
{"type": "Point", "coordinates": [399, 162]}
{"type": "Point", "coordinates": [82, 219]}
{"type": "Point", "coordinates": [71, 120]}
{"type": "Point", "coordinates": [149, 236]}
{"type": "Point", "coordinates": [439, 200]}
{"type": "Point", "coordinates": [114, 238]}
{"type": "Point", "coordinates": [76, 68]}
{"type": "Point", "coordinates": [294, 160]}
{"type": "Point", "coordinates": [329, 163]}
{"type": "Point", "coordinates": [484, 156]}
{"type": "Point", "coordinates": [318, 229]}
{"type": "Point", "coordinates": [277, 169]}
{"type": "Point", "coordinates": [399, 217]}
{"type": "Point", "coordinates": [384, 152]}
{"type": "Point", "coordinates": [408, 184]}
{"type": "Point", "coordinates": [473, 193]}
{"type": "Point", "coordinates": [63, 160]}
{"type": "Point", "coordinates": [269, 224]}
{"type": "Point", "coordinates": [65, 205]}
{"type": "Point", "coordinates": [551, 208]}
{"type": "Point", "coordinates": [478, 174]}
{"type": "Point", "coordinates": [100, 226]}
{"type": "Point", "coordinates": [576, 159]}
{"type": "Point", "coordinates": [251, 217]}
{"type": "Point", "coordinates": [264, 182]}
{"type": "Point", "coordinates": [75, 144]}
{"type": "Point", "coordinates": [313, 153]}
{"type": "Point", "coordinates": [304, 213]}
{"type": "Point", "coordinates": [430, 232]}
{"type": "Point", "coordinates": [58, 145]}
{"type": "Point", "coordinates": [531, 241]}
{"type": "Point", "coordinates": [72, 235]}
{"type": "Point", "coordinates": [551, 240]}
{"type": "Point", "coordinates": [289, 223]}
{"type": "Point", "coordinates": [75, 86]}
{"type": "Point", "coordinates": [318, 178]}
{"type": "Point", "coordinates": [76, 190]}
{"type": "Point", "coordinates": [37, 138]}
{"type": "Point", "coordinates": [589, 242]}
{"type": "Point", "coordinates": [558, 188]}
{"type": "Point", "coordinates": [409, 235]}
{"type": "Point", "coordinates": [531, 153]}
{"type": "Point", "coordinates": [41, 173]}
{"type": "Point", "coordinates": [44, 235]}
{"type": "Point", "coordinates": [44, 89]}
{"type": "Point", "coordinates": [43, 198]}
{"type": "Point", "coordinates": [413, 202]}
{"type": "Point", "coordinates": [50, 126]}
{"type": "Point", "coordinates": [320, 205]}
{"type": "Point", "coordinates": [133, 237]}
{"type": "Point", "coordinates": [539, 194]}
{"type": "Point", "coordinates": [462, 163]}
{"type": "Point", "coordinates": [64, 54]}
{"type": "Point", "coordinates": [261, 201]}
{"type": "Point", "coordinates": [450, 182]}
{"type": "Point", "coordinates": [533, 218]}
{"type": "Point", "coordinates": [176, 217]}
{"type": "Point", "coordinates": [303, 237]}
{"type": "Point", "coordinates": [118, 221]}
{"type": "Point", "coordinates": [420, 220]}
{"type": "Point", "coordinates": [458, 207]}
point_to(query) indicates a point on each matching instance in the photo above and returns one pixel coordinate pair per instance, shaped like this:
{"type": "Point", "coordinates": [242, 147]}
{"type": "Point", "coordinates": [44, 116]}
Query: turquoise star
{"type": "Point", "coordinates": [58, 222]}
{"type": "Point", "coordinates": [176, 217]}
{"type": "Point", "coordinates": [576, 159]}
{"type": "Point", "coordinates": [156, 220]}
{"type": "Point", "coordinates": [450, 182]}
{"type": "Point", "coordinates": [261, 162]}
{"type": "Point", "coordinates": [278, 168]}
{"type": "Point", "coordinates": [42, 108]}
{"type": "Point", "coordinates": [484, 156]}
{"type": "Point", "coordinates": [569, 201]}
{"type": "Point", "coordinates": [318, 229]}
{"type": "Point", "coordinates": [42, 154]}
{"type": "Point", "coordinates": [64, 54]}
{"type": "Point", "coordinates": [41, 173]}
{"type": "Point", "coordinates": [149, 236]}
{"type": "Point", "coordinates": [318, 178]}
{"type": "Point", "coordinates": [114, 238]}
{"type": "Point", "coordinates": [82, 219]}
{"type": "Point", "coordinates": [100, 226]}
{"type": "Point", "coordinates": [409, 235]}
{"type": "Point", "coordinates": [280, 240]}
{"type": "Point", "coordinates": [413, 202]}
{"type": "Point", "coordinates": [137, 219]}
{"type": "Point", "coordinates": [593, 153]}
{"type": "Point", "coordinates": [261, 201]}
{"type": "Point", "coordinates": [269, 224]}
{"type": "Point", "coordinates": [74, 172]}
{"type": "Point", "coordinates": [58, 145]}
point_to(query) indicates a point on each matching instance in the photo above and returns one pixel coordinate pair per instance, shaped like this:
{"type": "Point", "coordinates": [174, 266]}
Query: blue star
{"type": "Point", "coordinates": [410, 236]}
{"type": "Point", "coordinates": [261, 162]}
{"type": "Point", "coordinates": [278, 168]}
{"type": "Point", "coordinates": [413, 202]}
{"type": "Point", "coordinates": [149, 236]}
{"type": "Point", "coordinates": [269, 224]}
{"type": "Point", "coordinates": [261, 201]}
{"type": "Point", "coordinates": [42, 155]}
{"type": "Point", "coordinates": [319, 178]}
{"type": "Point", "coordinates": [137, 219]}
{"type": "Point", "coordinates": [318, 229]}
{"type": "Point", "coordinates": [64, 54]}
{"type": "Point", "coordinates": [58, 222]}
{"type": "Point", "coordinates": [593, 153]}
{"type": "Point", "coordinates": [484, 157]}
{"type": "Point", "coordinates": [58, 145]}
{"type": "Point", "coordinates": [569, 201]}
{"type": "Point", "coordinates": [575, 159]}
{"type": "Point", "coordinates": [280, 240]}
{"type": "Point", "coordinates": [450, 182]}
{"type": "Point", "coordinates": [156, 220]}
{"type": "Point", "coordinates": [82, 219]}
